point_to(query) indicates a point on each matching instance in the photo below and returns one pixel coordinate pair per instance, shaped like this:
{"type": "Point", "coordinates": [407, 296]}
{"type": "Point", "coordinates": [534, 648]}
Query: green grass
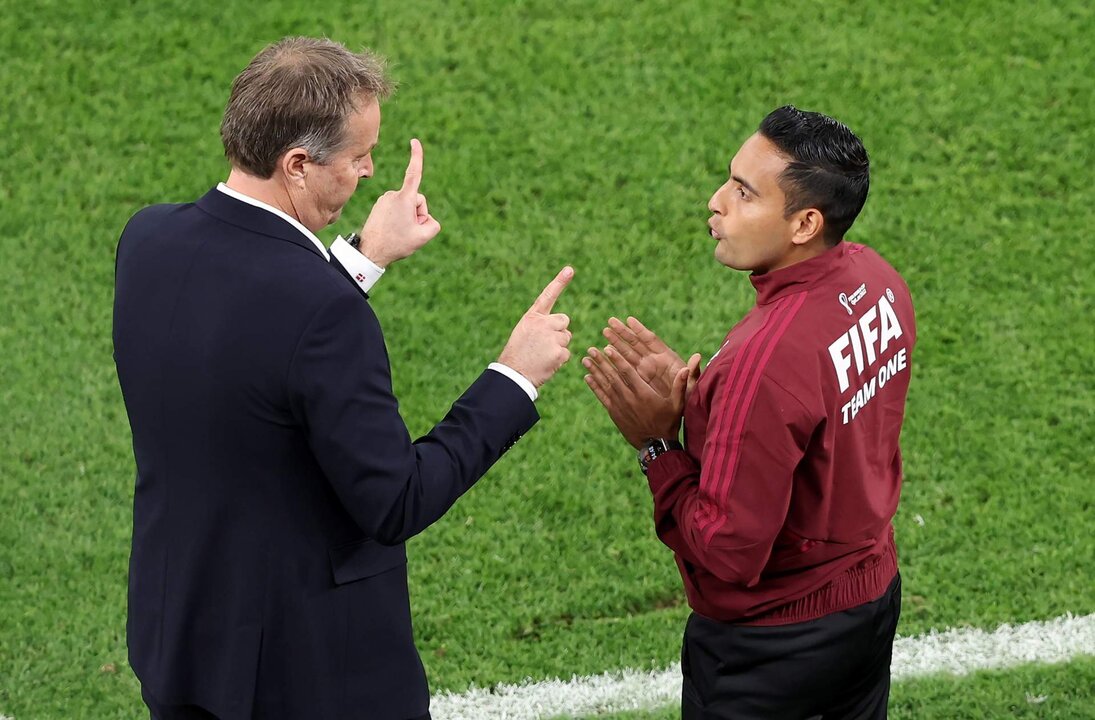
{"type": "Point", "coordinates": [589, 134]}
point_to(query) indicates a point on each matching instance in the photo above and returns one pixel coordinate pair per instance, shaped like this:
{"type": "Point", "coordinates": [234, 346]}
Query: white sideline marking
{"type": "Point", "coordinates": [957, 652]}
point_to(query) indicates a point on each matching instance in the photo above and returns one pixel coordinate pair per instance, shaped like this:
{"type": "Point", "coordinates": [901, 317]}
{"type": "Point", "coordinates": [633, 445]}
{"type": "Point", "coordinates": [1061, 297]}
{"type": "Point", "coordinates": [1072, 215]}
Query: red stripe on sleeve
{"type": "Point", "coordinates": [709, 517]}
{"type": "Point", "coordinates": [742, 395]}
{"type": "Point", "coordinates": [731, 415]}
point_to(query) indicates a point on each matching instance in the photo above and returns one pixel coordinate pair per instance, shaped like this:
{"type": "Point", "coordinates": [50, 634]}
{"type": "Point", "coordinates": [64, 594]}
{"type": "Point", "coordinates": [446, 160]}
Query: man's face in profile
{"type": "Point", "coordinates": [748, 220]}
{"type": "Point", "coordinates": [330, 185]}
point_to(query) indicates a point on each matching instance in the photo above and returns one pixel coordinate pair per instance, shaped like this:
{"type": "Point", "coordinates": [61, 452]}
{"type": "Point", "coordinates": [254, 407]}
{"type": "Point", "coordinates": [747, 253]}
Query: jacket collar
{"type": "Point", "coordinates": [800, 276]}
{"type": "Point", "coordinates": [253, 219]}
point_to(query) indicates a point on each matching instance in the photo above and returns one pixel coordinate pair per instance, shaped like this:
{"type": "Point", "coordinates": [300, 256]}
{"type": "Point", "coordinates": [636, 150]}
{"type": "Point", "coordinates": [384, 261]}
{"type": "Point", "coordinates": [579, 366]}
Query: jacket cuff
{"type": "Point", "coordinates": [668, 468]}
{"type": "Point", "coordinates": [522, 382]}
{"type": "Point", "coordinates": [364, 271]}
{"type": "Point", "coordinates": [512, 412]}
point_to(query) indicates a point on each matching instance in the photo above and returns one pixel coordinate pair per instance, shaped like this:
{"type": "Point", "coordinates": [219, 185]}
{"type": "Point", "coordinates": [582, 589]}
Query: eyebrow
{"type": "Point", "coordinates": [740, 180]}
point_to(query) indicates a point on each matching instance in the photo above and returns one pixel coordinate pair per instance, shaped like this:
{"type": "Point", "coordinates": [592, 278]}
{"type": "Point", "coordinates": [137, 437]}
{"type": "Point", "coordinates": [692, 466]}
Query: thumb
{"type": "Point", "coordinates": [692, 371]}
{"type": "Point", "coordinates": [680, 388]}
{"type": "Point", "coordinates": [694, 366]}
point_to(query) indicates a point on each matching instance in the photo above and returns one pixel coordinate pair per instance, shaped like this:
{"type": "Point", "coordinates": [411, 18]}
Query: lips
{"type": "Point", "coordinates": [711, 228]}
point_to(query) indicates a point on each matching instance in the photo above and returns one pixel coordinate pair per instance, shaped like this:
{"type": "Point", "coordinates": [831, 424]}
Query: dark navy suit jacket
{"type": "Point", "coordinates": [276, 481]}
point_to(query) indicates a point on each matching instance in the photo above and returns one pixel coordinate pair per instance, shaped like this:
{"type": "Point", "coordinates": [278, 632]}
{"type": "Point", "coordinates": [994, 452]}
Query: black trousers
{"type": "Point", "coordinates": [834, 668]}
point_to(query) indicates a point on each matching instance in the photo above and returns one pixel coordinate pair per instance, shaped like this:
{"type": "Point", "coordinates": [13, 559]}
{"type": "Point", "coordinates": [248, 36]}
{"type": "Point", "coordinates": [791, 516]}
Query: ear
{"type": "Point", "coordinates": [806, 225]}
{"type": "Point", "coordinates": [293, 163]}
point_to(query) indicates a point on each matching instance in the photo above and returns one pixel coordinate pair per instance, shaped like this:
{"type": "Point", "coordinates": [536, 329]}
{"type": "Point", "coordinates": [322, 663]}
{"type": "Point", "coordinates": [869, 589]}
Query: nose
{"type": "Point", "coordinates": [367, 167]}
{"type": "Point", "coordinates": [714, 204]}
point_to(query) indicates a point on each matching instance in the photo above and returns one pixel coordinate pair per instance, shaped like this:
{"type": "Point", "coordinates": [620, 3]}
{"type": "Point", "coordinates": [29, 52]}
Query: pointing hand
{"type": "Point", "coordinates": [537, 348]}
{"type": "Point", "coordinates": [400, 222]}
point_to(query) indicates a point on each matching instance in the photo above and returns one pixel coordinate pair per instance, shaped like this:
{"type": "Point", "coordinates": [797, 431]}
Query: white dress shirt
{"type": "Point", "coordinates": [364, 271]}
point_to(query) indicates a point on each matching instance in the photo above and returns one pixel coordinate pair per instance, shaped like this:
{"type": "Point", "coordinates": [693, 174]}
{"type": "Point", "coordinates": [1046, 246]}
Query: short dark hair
{"type": "Point", "coordinates": [827, 166]}
{"type": "Point", "coordinates": [297, 92]}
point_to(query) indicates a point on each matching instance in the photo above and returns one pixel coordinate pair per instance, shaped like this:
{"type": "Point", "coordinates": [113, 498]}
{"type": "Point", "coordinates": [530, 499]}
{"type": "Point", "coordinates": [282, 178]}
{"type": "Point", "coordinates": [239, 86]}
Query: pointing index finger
{"type": "Point", "coordinates": [554, 289]}
{"type": "Point", "coordinates": [413, 178]}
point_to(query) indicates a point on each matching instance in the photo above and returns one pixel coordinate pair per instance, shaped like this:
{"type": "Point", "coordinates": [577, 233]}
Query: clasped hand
{"type": "Point", "coordinates": [640, 381]}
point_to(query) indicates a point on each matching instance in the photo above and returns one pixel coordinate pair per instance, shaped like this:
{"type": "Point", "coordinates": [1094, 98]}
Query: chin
{"type": "Point", "coordinates": [737, 264]}
{"type": "Point", "coordinates": [725, 257]}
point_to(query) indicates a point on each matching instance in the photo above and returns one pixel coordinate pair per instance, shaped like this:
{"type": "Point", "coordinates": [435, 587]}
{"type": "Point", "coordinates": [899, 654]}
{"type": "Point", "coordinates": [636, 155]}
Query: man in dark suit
{"type": "Point", "coordinates": [276, 481]}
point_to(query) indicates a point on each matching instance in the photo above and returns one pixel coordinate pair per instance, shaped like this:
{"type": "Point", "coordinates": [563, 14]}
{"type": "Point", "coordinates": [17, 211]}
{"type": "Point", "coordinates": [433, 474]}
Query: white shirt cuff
{"type": "Point", "coordinates": [522, 382]}
{"type": "Point", "coordinates": [363, 270]}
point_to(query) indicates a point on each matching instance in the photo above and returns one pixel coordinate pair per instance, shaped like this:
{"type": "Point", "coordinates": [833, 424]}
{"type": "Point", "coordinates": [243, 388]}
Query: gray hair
{"type": "Point", "coordinates": [297, 92]}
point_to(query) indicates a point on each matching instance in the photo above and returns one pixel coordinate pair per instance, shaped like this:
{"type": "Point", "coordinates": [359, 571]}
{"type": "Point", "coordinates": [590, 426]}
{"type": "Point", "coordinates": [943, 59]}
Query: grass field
{"type": "Point", "coordinates": [592, 134]}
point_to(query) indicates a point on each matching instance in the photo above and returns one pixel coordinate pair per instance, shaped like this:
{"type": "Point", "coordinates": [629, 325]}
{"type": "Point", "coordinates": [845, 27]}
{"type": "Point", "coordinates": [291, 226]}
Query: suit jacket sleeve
{"type": "Point", "coordinates": [340, 390]}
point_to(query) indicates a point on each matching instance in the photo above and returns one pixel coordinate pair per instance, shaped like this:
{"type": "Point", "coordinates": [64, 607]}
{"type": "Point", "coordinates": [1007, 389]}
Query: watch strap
{"type": "Point", "coordinates": [653, 448]}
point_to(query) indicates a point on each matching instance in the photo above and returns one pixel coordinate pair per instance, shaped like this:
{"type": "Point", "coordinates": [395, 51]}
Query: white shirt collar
{"type": "Point", "coordinates": [270, 208]}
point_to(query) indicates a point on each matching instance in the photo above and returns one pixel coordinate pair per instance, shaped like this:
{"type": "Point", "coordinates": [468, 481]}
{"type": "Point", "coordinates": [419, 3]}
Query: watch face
{"type": "Point", "coordinates": [653, 449]}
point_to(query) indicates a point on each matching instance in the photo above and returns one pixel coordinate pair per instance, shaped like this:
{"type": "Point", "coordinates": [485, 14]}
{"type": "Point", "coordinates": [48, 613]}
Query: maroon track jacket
{"type": "Point", "coordinates": [779, 509]}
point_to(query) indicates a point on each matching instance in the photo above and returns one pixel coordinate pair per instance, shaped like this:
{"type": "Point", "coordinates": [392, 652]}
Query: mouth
{"type": "Point", "coordinates": [711, 230]}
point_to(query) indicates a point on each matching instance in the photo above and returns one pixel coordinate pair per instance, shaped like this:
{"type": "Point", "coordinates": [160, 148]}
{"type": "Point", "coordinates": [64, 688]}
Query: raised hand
{"type": "Point", "coordinates": [653, 360]}
{"type": "Point", "coordinates": [400, 222]}
{"type": "Point", "coordinates": [637, 409]}
{"type": "Point", "coordinates": [537, 347]}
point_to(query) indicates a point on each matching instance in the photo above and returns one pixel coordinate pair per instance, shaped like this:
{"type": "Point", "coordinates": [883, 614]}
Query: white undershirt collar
{"type": "Point", "coordinates": [270, 208]}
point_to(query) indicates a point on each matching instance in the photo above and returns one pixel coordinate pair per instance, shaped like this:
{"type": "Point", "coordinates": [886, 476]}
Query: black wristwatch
{"type": "Point", "coordinates": [652, 448]}
{"type": "Point", "coordinates": [354, 241]}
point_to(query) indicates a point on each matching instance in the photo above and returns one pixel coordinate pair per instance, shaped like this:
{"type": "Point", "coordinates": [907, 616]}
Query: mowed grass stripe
{"type": "Point", "coordinates": [955, 651]}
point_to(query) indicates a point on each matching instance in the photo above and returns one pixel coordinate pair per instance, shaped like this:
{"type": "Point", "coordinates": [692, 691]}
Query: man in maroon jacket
{"type": "Point", "coordinates": [778, 506]}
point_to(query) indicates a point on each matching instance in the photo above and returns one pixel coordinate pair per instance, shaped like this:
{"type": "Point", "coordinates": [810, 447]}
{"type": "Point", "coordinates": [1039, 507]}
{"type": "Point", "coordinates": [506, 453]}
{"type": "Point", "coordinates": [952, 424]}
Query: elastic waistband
{"type": "Point", "coordinates": [860, 584]}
